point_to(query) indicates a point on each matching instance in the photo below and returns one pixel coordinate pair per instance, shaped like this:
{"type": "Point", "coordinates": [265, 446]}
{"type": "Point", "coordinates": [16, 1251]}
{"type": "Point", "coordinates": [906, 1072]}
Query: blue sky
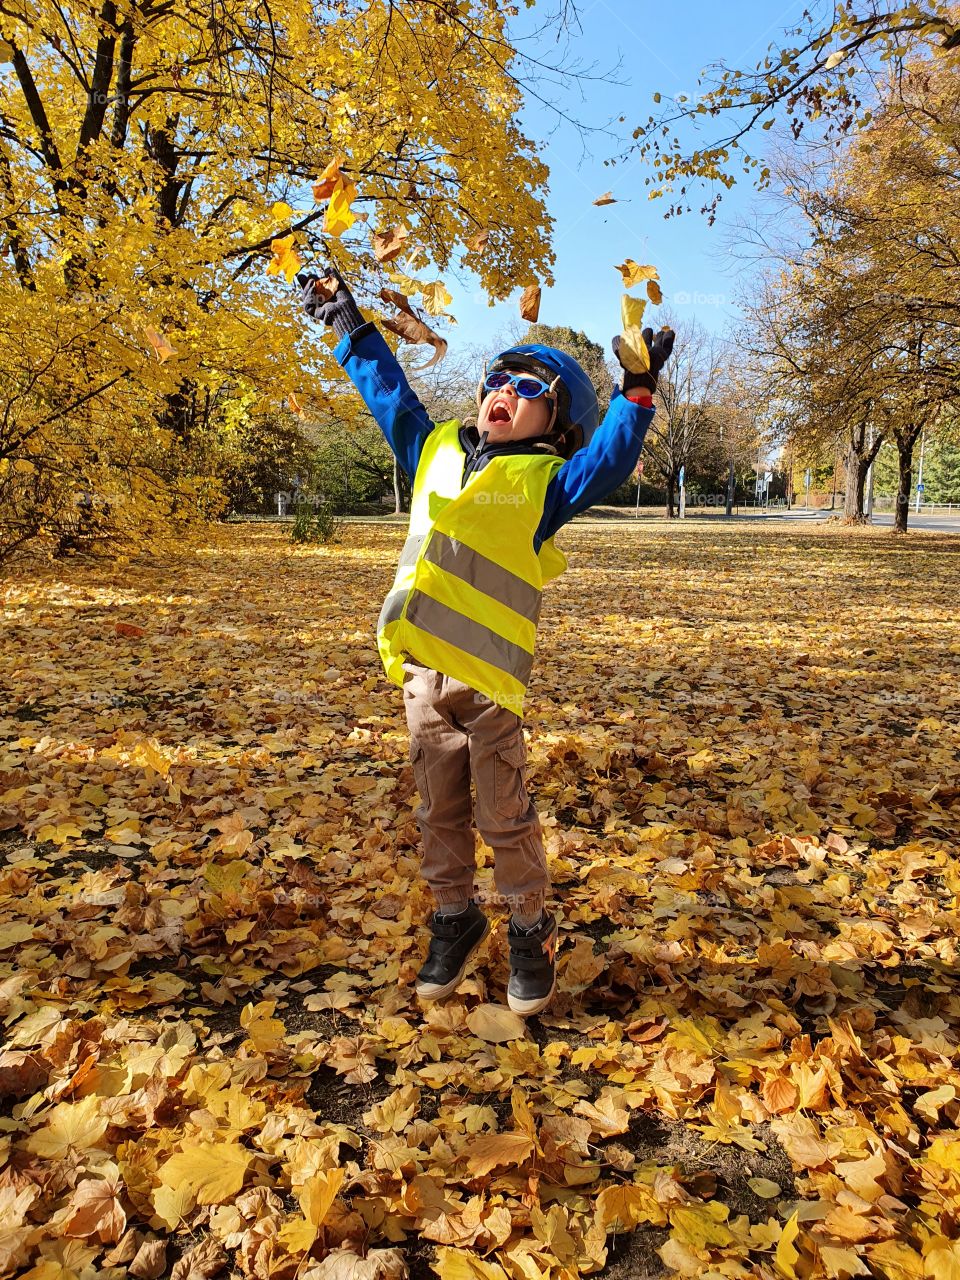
{"type": "Point", "coordinates": [663, 49]}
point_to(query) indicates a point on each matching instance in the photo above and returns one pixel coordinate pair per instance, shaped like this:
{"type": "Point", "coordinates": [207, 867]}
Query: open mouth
{"type": "Point", "coordinates": [499, 411]}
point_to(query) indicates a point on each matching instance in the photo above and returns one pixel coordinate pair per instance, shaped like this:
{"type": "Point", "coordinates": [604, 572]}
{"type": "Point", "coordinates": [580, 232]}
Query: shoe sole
{"type": "Point", "coordinates": [432, 992]}
{"type": "Point", "coordinates": [526, 1008]}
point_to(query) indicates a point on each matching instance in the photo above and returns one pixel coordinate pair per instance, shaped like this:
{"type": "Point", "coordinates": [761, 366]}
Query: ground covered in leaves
{"type": "Point", "coordinates": [744, 745]}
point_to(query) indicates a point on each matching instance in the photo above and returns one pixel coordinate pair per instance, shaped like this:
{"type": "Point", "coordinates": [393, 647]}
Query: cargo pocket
{"type": "Point", "coordinates": [510, 792]}
{"type": "Point", "coordinates": [418, 760]}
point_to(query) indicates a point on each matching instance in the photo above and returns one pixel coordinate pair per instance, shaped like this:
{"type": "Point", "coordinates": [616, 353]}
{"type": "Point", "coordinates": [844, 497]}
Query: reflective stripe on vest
{"type": "Point", "coordinates": [470, 636]}
{"type": "Point", "coordinates": [484, 574]}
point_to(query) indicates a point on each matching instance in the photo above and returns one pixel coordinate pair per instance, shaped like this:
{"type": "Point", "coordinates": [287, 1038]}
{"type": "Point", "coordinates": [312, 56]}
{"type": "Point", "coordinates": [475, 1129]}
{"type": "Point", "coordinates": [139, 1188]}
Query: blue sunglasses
{"type": "Point", "coordinates": [526, 386]}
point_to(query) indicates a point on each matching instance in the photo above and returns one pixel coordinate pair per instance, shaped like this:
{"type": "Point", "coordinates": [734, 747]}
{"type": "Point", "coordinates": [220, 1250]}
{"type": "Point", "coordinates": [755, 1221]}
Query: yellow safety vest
{"type": "Point", "coordinates": [466, 596]}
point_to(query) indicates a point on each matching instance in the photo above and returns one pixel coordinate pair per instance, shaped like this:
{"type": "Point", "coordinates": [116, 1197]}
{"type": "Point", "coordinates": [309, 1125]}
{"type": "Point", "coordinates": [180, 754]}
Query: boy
{"type": "Point", "coordinates": [457, 629]}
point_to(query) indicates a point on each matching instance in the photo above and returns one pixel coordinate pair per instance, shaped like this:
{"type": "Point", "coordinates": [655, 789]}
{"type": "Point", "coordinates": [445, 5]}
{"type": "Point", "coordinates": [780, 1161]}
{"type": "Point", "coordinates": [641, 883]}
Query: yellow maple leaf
{"type": "Point", "coordinates": [281, 211]}
{"type": "Point", "coordinates": [435, 298]}
{"type": "Point", "coordinates": [633, 273]}
{"type": "Point", "coordinates": [621, 1208]}
{"type": "Point", "coordinates": [70, 1126]}
{"type": "Point", "coordinates": [316, 1198]}
{"type": "Point", "coordinates": [491, 1150]}
{"type": "Point", "coordinates": [172, 1204]}
{"type": "Point", "coordinates": [212, 1171]}
{"type": "Point", "coordinates": [633, 352]}
{"type": "Point", "coordinates": [496, 1023]}
{"type": "Point", "coordinates": [459, 1264]}
{"type": "Point", "coordinates": [701, 1225]}
{"type": "Point", "coordinates": [265, 1031]}
{"type": "Point", "coordinates": [339, 217]}
{"type": "Point", "coordinates": [285, 260]}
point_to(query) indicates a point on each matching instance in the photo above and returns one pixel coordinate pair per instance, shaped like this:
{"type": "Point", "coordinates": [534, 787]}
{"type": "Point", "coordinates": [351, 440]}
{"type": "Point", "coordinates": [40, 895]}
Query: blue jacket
{"type": "Point", "coordinates": [584, 480]}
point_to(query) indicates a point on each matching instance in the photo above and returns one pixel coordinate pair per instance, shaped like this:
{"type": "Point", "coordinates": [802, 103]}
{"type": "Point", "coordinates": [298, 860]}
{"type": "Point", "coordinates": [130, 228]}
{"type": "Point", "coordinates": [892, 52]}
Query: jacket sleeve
{"type": "Point", "coordinates": [595, 471]}
{"type": "Point", "coordinates": [376, 373]}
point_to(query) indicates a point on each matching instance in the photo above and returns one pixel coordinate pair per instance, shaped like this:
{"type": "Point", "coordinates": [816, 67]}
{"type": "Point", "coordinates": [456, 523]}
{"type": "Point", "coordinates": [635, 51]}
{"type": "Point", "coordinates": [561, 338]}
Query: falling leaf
{"type": "Point", "coordinates": [161, 344]}
{"type": "Point", "coordinates": [477, 243]}
{"type": "Point", "coordinates": [654, 293]}
{"type": "Point", "coordinates": [634, 274]}
{"type": "Point", "coordinates": [530, 303]}
{"type": "Point", "coordinates": [435, 298]}
{"type": "Point", "coordinates": [835, 59]}
{"type": "Point", "coordinates": [294, 405]}
{"type": "Point", "coordinates": [411, 328]}
{"type": "Point", "coordinates": [281, 211]}
{"type": "Point", "coordinates": [607, 198]}
{"type": "Point", "coordinates": [338, 217]}
{"type": "Point", "coordinates": [285, 258]}
{"type": "Point", "coordinates": [325, 185]}
{"type": "Point", "coordinates": [633, 352]}
{"type": "Point", "coordinates": [388, 245]}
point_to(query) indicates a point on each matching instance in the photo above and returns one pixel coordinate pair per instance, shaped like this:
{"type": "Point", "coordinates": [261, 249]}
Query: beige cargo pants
{"type": "Point", "coordinates": [457, 733]}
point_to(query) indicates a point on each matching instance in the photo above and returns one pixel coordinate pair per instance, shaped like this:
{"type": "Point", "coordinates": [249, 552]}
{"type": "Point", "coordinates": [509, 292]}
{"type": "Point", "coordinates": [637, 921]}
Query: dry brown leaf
{"type": "Point", "coordinates": [607, 198]}
{"type": "Point", "coordinates": [491, 1151]}
{"type": "Point", "coordinates": [411, 328]}
{"type": "Point", "coordinates": [530, 304]}
{"type": "Point", "coordinates": [389, 244]}
{"type": "Point", "coordinates": [496, 1023]}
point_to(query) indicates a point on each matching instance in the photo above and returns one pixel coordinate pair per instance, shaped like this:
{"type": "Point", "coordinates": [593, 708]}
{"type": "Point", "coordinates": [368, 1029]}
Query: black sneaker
{"type": "Point", "coordinates": [533, 969]}
{"type": "Point", "coordinates": [454, 940]}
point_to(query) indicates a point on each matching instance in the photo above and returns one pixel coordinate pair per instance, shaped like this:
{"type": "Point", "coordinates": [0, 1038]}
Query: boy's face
{"type": "Point", "coordinates": [506, 416]}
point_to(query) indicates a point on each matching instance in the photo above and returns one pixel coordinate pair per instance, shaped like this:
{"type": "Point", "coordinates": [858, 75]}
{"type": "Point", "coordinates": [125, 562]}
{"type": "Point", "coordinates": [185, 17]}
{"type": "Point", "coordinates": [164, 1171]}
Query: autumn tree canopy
{"type": "Point", "coordinates": [149, 158]}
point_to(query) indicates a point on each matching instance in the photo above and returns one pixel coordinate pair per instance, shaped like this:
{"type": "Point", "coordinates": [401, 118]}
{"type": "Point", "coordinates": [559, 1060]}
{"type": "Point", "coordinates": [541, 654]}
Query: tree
{"type": "Point", "coordinates": [148, 163]}
{"type": "Point", "coordinates": [823, 74]}
{"type": "Point", "coordinates": [860, 331]}
{"type": "Point", "coordinates": [686, 390]}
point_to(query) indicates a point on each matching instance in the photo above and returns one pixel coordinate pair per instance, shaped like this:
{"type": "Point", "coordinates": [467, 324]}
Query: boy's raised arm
{"type": "Point", "coordinates": [371, 366]}
{"type": "Point", "coordinates": [613, 451]}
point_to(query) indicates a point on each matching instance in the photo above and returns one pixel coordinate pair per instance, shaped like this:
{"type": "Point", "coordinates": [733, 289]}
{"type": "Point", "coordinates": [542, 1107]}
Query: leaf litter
{"type": "Point", "coordinates": [743, 745]}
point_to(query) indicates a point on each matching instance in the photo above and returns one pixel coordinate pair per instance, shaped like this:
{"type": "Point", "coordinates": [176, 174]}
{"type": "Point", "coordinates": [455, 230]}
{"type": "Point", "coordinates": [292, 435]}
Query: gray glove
{"type": "Point", "coordinates": [340, 312]}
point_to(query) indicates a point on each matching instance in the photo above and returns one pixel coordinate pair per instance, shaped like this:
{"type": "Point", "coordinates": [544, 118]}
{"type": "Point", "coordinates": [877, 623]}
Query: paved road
{"type": "Point", "coordinates": [939, 521]}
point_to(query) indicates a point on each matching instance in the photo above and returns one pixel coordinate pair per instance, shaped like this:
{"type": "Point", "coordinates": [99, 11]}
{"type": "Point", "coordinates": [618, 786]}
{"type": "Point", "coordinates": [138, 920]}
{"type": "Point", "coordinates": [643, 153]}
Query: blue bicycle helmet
{"type": "Point", "coordinates": [578, 413]}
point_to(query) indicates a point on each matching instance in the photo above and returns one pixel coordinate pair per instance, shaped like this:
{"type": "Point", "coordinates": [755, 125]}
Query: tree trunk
{"type": "Point", "coordinates": [856, 468]}
{"type": "Point", "coordinates": [905, 445]}
{"type": "Point", "coordinates": [671, 490]}
{"type": "Point", "coordinates": [731, 488]}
